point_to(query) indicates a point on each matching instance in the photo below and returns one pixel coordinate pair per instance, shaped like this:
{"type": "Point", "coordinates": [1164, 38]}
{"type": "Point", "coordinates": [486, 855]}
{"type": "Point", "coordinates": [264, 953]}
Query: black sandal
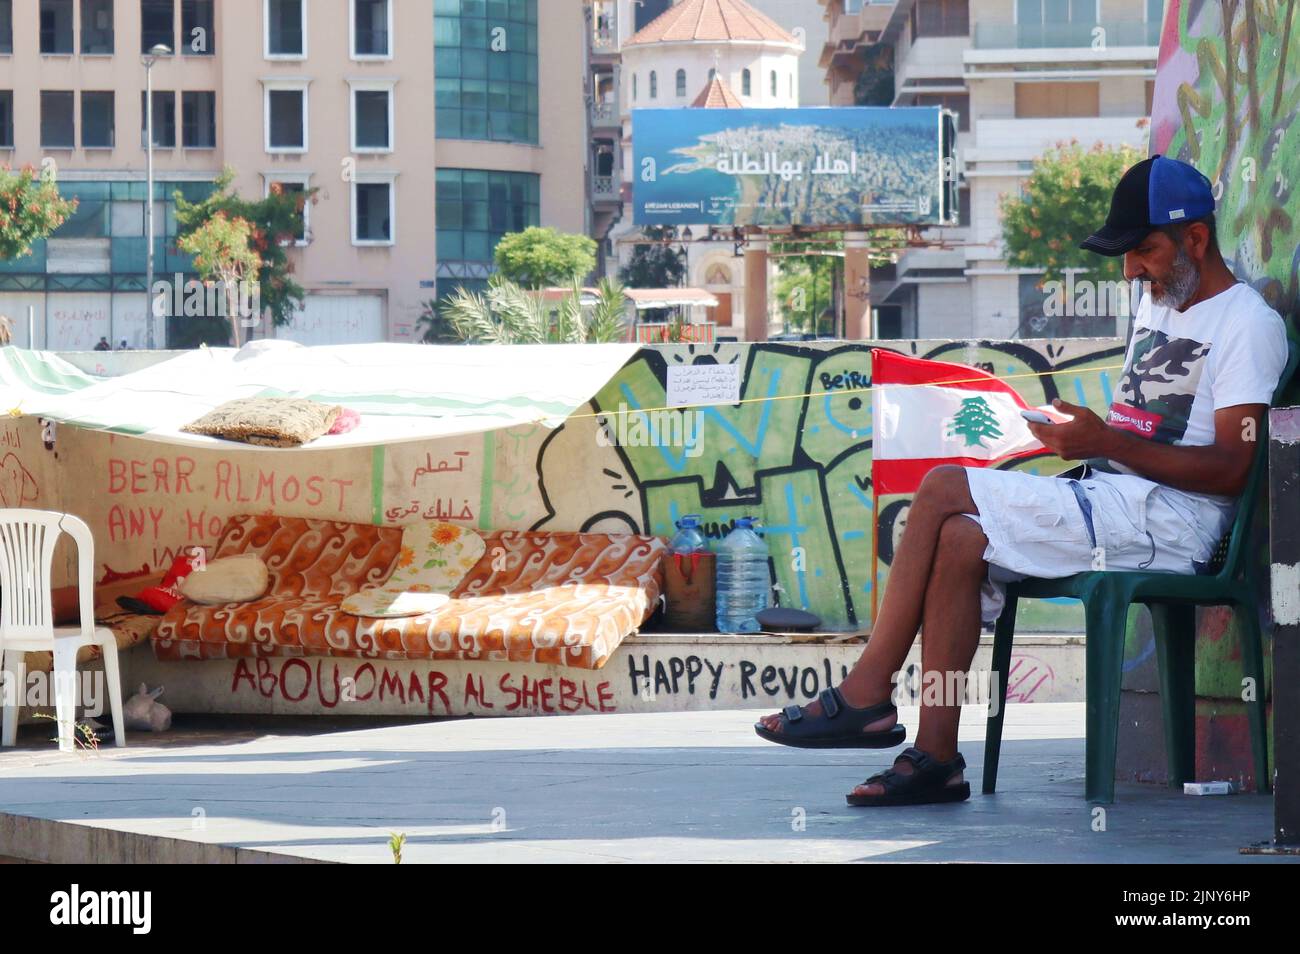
{"type": "Point", "coordinates": [839, 726]}
{"type": "Point", "coordinates": [926, 785]}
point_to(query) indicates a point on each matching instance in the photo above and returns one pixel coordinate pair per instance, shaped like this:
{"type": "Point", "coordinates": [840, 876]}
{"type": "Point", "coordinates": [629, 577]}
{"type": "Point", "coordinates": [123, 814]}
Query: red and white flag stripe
{"type": "Point", "coordinates": [926, 413]}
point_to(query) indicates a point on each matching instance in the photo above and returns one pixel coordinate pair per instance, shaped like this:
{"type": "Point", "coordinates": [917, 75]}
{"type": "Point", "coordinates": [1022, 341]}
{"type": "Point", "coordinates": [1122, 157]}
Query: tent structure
{"type": "Point", "coordinates": [403, 392]}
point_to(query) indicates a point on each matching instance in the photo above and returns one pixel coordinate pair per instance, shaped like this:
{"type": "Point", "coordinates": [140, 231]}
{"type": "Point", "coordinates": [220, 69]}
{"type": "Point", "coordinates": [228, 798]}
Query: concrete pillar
{"type": "Point", "coordinates": [857, 286]}
{"type": "Point", "coordinates": [756, 289]}
{"type": "Point", "coordinates": [1284, 555]}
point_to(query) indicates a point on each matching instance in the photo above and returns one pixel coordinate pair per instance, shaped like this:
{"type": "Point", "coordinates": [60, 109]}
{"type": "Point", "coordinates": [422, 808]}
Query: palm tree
{"type": "Point", "coordinates": [507, 313]}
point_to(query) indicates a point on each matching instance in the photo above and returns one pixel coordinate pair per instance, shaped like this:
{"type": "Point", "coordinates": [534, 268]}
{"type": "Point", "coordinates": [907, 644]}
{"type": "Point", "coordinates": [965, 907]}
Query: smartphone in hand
{"type": "Point", "coordinates": [1038, 417]}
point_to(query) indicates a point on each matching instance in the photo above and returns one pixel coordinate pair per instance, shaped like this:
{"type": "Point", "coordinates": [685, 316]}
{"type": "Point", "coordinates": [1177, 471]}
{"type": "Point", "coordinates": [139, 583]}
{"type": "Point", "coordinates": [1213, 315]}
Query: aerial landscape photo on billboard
{"type": "Point", "coordinates": [822, 166]}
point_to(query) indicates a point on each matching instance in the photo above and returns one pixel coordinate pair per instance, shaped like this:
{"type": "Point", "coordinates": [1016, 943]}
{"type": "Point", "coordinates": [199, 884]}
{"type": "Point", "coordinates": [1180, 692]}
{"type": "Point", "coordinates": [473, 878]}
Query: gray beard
{"type": "Point", "coordinates": [1181, 285]}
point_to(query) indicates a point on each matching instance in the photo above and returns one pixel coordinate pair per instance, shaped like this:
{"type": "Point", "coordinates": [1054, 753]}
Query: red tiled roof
{"type": "Point", "coordinates": [716, 20]}
{"type": "Point", "coordinates": [717, 95]}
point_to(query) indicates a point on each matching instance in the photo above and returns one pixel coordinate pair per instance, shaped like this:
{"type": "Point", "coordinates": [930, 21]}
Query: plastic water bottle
{"type": "Point", "coordinates": [689, 539]}
{"type": "Point", "coordinates": [743, 582]}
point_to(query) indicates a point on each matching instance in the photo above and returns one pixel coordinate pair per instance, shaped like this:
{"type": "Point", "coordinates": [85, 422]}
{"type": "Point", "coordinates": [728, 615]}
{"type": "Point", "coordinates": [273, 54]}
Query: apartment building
{"type": "Point", "coordinates": [1021, 75]}
{"type": "Point", "coordinates": [429, 128]}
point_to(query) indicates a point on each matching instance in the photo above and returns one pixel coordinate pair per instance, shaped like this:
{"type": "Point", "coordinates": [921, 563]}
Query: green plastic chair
{"type": "Point", "coordinates": [1172, 599]}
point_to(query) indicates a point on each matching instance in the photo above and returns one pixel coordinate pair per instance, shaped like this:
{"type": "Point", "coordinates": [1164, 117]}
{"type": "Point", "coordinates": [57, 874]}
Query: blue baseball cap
{"type": "Point", "coordinates": [1156, 192]}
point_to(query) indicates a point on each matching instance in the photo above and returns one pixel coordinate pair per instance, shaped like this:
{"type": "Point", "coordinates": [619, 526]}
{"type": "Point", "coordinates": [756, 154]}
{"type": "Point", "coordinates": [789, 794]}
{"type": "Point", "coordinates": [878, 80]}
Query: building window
{"type": "Point", "coordinates": [296, 185]}
{"type": "Point", "coordinates": [633, 86]}
{"type": "Point", "coordinates": [477, 207]}
{"type": "Point", "coordinates": [91, 217]}
{"type": "Point", "coordinates": [1151, 95]}
{"type": "Point", "coordinates": [681, 82]}
{"type": "Point", "coordinates": [372, 118]}
{"type": "Point", "coordinates": [157, 24]}
{"type": "Point", "coordinates": [164, 119]}
{"type": "Point", "coordinates": [712, 73]}
{"type": "Point", "coordinates": [486, 70]}
{"type": "Point", "coordinates": [97, 120]}
{"type": "Point", "coordinates": [286, 28]}
{"type": "Point", "coordinates": [1048, 23]}
{"type": "Point", "coordinates": [373, 210]}
{"type": "Point", "coordinates": [56, 26]}
{"type": "Point", "coordinates": [286, 119]}
{"type": "Point", "coordinates": [198, 32]}
{"type": "Point", "coordinates": [1030, 12]}
{"type": "Point", "coordinates": [6, 119]}
{"type": "Point", "coordinates": [775, 92]}
{"type": "Point", "coordinates": [58, 124]}
{"type": "Point", "coordinates": [654, 85]}
{"type": "Point", "coordinates": [371, 26]}
{"type": "Point", "coordinates": [746, 83]}
{"type": "Point", "coordinates": [1057, 100]}
{"type": "Point", "coordinates": [97, 27]}
{"type": "Point", "coordinates": [199, 120]}
{"type": "Point", "coordinates": [940, 18]}
{"type": "Point", "coordinates": [6, 26]}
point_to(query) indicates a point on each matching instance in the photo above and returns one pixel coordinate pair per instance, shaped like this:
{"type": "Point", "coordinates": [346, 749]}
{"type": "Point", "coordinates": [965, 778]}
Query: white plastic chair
{"type": "Point", "coordinates": [27, 540]}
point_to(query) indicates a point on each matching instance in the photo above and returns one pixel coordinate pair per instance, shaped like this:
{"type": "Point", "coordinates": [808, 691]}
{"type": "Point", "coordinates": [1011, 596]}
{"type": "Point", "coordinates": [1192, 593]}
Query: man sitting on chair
{"type": "Point", "coordinates": [1165, 470]}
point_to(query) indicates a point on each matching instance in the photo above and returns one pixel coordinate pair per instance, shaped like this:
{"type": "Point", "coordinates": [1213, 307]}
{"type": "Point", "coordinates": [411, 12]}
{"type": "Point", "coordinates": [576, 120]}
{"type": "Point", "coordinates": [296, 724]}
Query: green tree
{"type": "Point", "coordinates": [276, 222]}
{"type": "Point", "coordinates": [30, 209]}
{"type": "Point", "coordinates": [803, 290]}
{"type": "Point", "coordinates": [222, 248]}
{"type": "Point", "coordinates": [875, 84]}
{"type": "Point", "coordinates": [544, 258]}
{"type": "Point", "coordinates": [807, 266]}
{"type": "Point", "coordinates": [654, 263]}
{"type": "Point", "coordinates": [507, 313]}
{"type": "Point", "coordinates": [1064, 200]}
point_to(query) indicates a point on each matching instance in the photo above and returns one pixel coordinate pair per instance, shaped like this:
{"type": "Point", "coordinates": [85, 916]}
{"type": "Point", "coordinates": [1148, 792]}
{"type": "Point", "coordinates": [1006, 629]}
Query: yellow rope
{"type": "Point", "coordinates": [836, 393]}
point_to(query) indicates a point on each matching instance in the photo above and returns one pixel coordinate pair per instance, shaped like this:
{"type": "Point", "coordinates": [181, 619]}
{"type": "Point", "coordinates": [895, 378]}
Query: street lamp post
{"type": "Point", "coordinates": [148, 60]}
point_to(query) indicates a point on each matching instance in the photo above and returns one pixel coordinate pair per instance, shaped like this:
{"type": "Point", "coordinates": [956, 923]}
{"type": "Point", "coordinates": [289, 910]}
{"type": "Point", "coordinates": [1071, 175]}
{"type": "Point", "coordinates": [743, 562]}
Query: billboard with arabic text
{"type": "Point", "coordinates": [827, 166]}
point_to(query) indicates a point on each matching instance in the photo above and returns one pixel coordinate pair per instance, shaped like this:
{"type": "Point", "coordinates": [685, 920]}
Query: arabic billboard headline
{"type": "Point", "coordinates": [829, 166]}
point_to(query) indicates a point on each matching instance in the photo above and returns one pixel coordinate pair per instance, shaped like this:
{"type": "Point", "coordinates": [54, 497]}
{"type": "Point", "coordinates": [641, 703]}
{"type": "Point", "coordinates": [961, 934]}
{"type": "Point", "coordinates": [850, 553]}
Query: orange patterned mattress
{"type": "Point", "coordinates": [566, 599]}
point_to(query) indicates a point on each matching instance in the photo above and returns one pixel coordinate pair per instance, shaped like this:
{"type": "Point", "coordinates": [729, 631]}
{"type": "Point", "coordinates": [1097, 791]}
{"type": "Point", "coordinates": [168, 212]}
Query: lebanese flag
{"type": "Point", "coordinates": [927, 413]}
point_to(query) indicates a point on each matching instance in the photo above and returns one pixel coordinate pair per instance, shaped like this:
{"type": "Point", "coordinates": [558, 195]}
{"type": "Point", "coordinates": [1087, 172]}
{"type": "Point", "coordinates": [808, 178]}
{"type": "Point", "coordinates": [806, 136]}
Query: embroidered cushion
{"type": "Point", "coordinates": [434, 557]}
{"type": "Point", "coordinates": [267, 421]}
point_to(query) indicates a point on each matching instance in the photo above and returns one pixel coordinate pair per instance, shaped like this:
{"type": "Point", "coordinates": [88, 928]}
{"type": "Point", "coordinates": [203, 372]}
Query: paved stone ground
{"type": "Point", "coordinates": [691, 786]}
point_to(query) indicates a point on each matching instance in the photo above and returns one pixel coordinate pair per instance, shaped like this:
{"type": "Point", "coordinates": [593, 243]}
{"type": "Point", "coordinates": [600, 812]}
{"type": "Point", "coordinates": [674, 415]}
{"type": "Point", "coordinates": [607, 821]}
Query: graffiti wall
{"type": "Point", "coordinates": [795, 452]}
{"type": "Point", "coordinates": [1227, 90]}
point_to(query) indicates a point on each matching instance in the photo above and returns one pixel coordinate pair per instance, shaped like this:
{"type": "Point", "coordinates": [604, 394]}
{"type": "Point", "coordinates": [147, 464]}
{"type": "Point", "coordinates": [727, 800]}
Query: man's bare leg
{"type": "Point", "coordinates": [949, 637]}
{"type": "Point", "coordinates": [944, 493]}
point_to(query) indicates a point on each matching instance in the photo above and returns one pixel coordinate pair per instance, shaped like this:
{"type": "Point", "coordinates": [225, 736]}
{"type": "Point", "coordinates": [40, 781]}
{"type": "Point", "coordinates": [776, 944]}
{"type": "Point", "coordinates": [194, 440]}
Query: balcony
{"type": "Point", "coordinates": [1039, 36]}
{"type": "Point", "coordinates": [605, 189]}
{"type": "Point", "coordinates": [604, 29]}
{"type": "Point", "coordinates": [1022, 140]}
{"type": "Point", "coordinates": [604, 114]}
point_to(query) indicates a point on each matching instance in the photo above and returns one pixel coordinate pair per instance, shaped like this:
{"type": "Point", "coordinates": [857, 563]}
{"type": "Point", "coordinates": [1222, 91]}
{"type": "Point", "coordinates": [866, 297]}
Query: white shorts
{"type": "Point", "coordinates": [1036, 527]}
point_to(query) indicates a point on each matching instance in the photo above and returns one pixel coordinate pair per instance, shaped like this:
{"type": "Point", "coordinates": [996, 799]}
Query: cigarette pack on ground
{"type": "Point", "coordinates": [1207, 788]}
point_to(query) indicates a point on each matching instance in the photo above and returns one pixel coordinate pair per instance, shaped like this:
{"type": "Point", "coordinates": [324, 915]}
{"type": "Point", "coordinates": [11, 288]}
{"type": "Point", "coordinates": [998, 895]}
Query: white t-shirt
{"type": "Point", "coordinates": [1181, 367]}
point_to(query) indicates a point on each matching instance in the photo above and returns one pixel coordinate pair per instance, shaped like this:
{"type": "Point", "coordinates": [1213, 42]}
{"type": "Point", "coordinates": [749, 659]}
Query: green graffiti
{"type": "Point", "coordinates": [746, 438]}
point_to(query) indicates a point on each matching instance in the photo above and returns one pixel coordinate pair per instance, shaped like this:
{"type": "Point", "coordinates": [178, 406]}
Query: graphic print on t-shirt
{"type": "Point", "coordinates": [1159, 386]}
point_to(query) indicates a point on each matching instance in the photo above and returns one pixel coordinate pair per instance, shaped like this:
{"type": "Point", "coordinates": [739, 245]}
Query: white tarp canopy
{"type": "Point", "coordinates": [403, 392]}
